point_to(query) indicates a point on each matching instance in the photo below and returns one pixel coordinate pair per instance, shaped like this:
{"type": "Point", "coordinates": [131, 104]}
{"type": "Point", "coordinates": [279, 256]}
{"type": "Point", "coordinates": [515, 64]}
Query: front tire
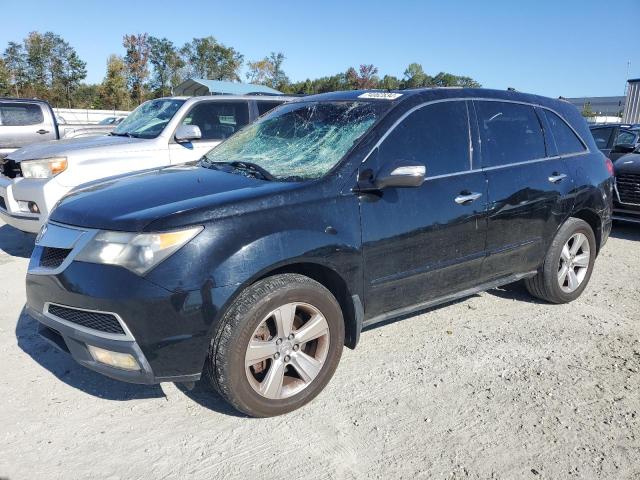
{"type": "Point", "coordinates": [568, 264]}
{"type": "Point", "coordinates": [277, 346]}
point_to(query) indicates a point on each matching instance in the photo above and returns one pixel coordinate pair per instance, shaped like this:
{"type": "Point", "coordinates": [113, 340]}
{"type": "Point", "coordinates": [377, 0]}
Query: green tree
{"type": "Point", "coordinates": [443, 79]}
{"type": "Point", "coordinates": [587, 111]}
{"type": "Point", "coordinates": [67, 71]}
{"type": "Point", "coordinates": [389, 82]}
{"type": "Point", "coordinates": [166, 63]}
{"type": "Point", "coordinates": [113, 93]}
{"type": "Point", "coordinates": [87, 96]}
{"type": "Point", "coordinates": [5, 79]}
{"type": "Point", "coordinates": [362, 79]}
{"type": "Point", "coordinates": [136, 59]}
{"type": "Point", "coordinates": [414, 77]}
{"type": "Point", "coordinates": [207, 58]}
{"type": "Point", "coordinates": [268, 71]}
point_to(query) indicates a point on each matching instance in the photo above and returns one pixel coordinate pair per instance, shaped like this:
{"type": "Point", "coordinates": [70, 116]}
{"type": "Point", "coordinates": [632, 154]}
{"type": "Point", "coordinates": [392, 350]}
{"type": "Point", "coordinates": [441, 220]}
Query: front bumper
{"type": "Point", "coordinates": [44, 192]}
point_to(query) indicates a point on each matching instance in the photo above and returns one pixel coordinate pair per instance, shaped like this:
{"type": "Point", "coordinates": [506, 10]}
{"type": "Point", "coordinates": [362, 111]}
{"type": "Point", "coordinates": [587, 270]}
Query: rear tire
{"type": "Point", "coordinates": [568, 264]}
{"type": "Point", "coordinates": [277, 346]}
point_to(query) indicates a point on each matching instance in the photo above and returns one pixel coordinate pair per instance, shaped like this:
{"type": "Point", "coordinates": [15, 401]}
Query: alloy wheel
{"type": "Point", "coordinates": [287, 350]}
{"type": "Point", "coordinates": [574, 262]}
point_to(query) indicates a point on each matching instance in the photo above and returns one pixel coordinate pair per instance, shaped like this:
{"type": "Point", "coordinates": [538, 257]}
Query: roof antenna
{"type": "Point", "coordinates": [511, 89]}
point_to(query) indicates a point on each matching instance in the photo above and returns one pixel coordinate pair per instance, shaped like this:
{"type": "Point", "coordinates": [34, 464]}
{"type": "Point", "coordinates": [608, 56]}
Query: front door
{"type": "Point", "coordinates": [421, 243]}
{"type": "Point", "coordinates": [217, 120]}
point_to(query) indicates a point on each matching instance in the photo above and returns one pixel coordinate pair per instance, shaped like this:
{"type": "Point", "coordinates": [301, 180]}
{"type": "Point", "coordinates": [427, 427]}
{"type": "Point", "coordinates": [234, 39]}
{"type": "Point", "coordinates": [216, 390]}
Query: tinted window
{"type": "Point", "coordinates": [566, 140]}
{"type": "Point", "coordinates": [510, 133]}
{"type": "Point", "coordinates": [17, 114]}
{"type": "Point", "coordinates": [218, 120]}
{"type": "Point", "coordinates": [625, 136]}
{"type": "Point", "coordinates": [601, 136]}
{"type": "Point", "coordinates": [264, 107]}
{"type": "Point", "coordinates": [436, 136]}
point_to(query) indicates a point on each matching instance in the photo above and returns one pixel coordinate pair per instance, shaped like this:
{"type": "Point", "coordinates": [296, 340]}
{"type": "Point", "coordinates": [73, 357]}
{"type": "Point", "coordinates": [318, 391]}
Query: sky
{"type": "Point", "coordinates": [563, 47]}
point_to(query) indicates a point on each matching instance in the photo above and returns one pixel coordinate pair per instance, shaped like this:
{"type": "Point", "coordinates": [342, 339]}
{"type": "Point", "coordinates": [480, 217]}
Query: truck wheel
{"type": "Point", "coordinates": [568, 264]}
{"type": "Point", "coordinates": [277, 346]}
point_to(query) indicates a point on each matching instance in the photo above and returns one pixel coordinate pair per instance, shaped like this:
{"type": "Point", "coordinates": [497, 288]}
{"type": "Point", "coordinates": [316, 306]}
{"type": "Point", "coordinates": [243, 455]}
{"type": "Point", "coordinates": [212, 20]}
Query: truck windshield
{"type": "Point", "coordinates": [298, 141]}
{"type": "Point", "coordinates": [149, 119]}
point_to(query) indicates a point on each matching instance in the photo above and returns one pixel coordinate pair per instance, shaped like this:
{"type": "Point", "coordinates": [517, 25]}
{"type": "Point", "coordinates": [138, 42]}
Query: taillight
{"type": "Point", "coordinates": [609, 165]}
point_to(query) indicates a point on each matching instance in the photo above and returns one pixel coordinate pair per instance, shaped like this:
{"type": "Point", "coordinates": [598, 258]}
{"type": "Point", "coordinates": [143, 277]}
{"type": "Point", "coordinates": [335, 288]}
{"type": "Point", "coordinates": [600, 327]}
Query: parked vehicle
{"type": "Point", "coordinates": [626, 201]}
{"type": "Point", "coordinates": [616, 139]}
{"type": "Point", "coordinates": [160, 132]}
{"type": "Point", "coordinates": [111, 121]}
{"type": "Point", "coordinates": [23, 122]}
{"type": "Point", "coordinates": [254, 267]}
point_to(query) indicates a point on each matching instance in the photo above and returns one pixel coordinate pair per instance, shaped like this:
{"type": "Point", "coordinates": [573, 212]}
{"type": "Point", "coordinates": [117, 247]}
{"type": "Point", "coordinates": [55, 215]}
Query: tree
{"type": "Point", "coordinates": [389, 82]}
{"type": "Point", "coordinates": [206, 58]}
{"type": "Point", "coordinates": [15, 60]}
{"type": "Point", "coordinates": [113, 93]}
{"type": "Point", "coordinates": [166, 63]}
{"type": "Point", "coordinates": [5, 79]}
{"type": "Point", "coordinates": [443, 79]}
{"type": "Point", "coordinates": [67, 71]}
{"type": "Point", "coordinates": [268, 71]}
{"type": "Point", "coordinates": [364, 78]}
{"type": "Point", "coordinates": [137, 62]}
{"type": "Point", "coordinates": [587, 111]}
{"type": "Point", "coordinates": [414, 77]}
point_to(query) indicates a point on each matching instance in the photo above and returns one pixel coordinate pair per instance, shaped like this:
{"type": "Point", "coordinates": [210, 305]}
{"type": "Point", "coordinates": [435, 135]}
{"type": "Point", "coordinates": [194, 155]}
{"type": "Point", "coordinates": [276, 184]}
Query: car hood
{"type": "Point", "coordinates": [167, 198]}
{"type": "Point", "coordinates": [55, 148]}
{"type": "Point", "coordinates": [629, 163]}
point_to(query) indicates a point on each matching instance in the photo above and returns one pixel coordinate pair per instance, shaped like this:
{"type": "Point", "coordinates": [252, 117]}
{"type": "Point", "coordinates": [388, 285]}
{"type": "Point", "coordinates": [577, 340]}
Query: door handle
{"type": "Point", "coordinates": [42, 131]}
{"type": "Point", "coordinates": [557, 177]}
{"type": "Point", "coordinates": [466, 198]}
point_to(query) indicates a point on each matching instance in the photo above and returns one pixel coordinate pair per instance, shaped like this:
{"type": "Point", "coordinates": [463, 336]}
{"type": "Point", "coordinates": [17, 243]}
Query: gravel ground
{"type": "Point", "coordinates": [495, 386]}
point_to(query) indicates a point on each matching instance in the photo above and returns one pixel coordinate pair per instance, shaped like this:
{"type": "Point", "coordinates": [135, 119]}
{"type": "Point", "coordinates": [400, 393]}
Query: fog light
{"type": "Point", "coordinates": [125, 361]}
{"type": "Point", "coordinates": [31, 207]}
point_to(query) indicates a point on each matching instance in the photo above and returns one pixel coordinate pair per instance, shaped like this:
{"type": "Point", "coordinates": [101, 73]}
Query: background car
{"type": "Point", "coordinates": [159, 132]}
{"type": "Point", "coordinates": [616, 139]}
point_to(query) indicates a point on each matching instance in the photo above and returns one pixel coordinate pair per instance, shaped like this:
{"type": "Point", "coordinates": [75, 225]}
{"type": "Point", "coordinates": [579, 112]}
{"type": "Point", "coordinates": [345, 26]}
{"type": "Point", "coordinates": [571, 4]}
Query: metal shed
{"type": "Point", "coordinates": [632, 105]}
{"type": "Point", "coordinates": [201, 86]}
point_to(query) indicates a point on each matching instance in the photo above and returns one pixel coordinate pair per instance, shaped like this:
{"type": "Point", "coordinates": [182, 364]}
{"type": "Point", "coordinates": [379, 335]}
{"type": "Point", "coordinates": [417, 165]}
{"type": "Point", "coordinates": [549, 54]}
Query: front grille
{"type": "Point", "coordinates": [3, 205]}
{"type": "Point", "coordinates": [53, 257]}
{"type": "Point", "coordinates": [10, 168]}
{"type": "Point", "coordinates": [628, 185]}
{"type": "Point", "coordinates": [103, 322]}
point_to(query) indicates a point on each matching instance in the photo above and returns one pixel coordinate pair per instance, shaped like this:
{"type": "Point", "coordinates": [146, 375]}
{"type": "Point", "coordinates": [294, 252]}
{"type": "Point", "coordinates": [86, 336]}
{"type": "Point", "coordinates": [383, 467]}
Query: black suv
{"type": "Point", "coordinates": [331, 213]}
{"type": "Point", "coordinates": [616, 139]}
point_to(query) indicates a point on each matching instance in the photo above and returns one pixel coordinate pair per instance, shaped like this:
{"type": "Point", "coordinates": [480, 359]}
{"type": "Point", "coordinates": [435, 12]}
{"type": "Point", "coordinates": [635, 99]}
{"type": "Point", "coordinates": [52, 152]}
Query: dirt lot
{"type": "Point", "coordinates": [495, 386]}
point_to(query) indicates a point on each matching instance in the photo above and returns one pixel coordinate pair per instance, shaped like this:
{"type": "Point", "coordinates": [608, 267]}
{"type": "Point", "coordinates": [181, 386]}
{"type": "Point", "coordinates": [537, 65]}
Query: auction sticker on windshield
{"type": "Point", "coordinates": [381, 95]}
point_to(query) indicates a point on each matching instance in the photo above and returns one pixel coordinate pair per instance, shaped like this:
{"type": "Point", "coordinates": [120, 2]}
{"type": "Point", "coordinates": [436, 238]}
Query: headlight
{"type": "Point", "coordinates": [138, 252]}
{"type": "Point", "coordinates": [45, 168]}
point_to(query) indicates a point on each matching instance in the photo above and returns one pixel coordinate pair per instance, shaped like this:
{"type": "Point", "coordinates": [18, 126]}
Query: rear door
{"type": "Point", "coordinates": [24, 123]}
{"type": "Point", "coordinates": [217, 120]}
{"type": "Point", "coordinates": [425, 242]}
{"type": "Point", "coordinates": [529, 187]}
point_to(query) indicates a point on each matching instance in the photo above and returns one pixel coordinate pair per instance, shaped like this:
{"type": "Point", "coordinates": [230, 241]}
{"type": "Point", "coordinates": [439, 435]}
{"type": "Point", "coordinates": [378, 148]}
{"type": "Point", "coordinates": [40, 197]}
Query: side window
{"type": "Point", "coordinates": [264, 107]}
{"type": "Point", "coordinates": [436, 136]}
{"type": "Point", "coordinates": [510, 133]}
{"type": "Point", "coordinates": [625, 136]}
{"type": "Point", "coordinates": [19, 114]}
{"type": "Point", "coordinates": [218, 120]}
{"type": "Point", "coordinates": [566, 140]}
{"type": "Point", "coordinates": [602, 136]}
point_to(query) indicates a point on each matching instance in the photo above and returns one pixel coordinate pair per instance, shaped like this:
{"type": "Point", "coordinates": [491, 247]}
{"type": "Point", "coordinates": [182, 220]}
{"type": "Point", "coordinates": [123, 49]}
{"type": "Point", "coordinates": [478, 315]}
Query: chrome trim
{"type": "Point", "coordinates": [128, 336]}
{"type": "Point", "coordinates": [83, 237]}
{"type": "Point", "coordinates": [557, 178]}
{"type": "Point", "coordinates": [615, 187]}
{"type": "Point", "coordinates": [417, 107]}
{"type": "Point", "coordinates": [467, 199]}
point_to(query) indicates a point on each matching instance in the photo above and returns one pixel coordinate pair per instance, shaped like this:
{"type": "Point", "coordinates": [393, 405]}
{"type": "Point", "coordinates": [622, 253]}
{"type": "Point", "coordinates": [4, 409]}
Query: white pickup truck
{"type": "Point", "coordinates": [158, 133]}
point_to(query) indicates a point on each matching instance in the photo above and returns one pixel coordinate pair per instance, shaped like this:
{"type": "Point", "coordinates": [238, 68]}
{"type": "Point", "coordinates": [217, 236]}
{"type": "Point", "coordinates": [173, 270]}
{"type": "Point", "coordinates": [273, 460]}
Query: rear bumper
{"type": "Point", "coordinates": [44, 192]}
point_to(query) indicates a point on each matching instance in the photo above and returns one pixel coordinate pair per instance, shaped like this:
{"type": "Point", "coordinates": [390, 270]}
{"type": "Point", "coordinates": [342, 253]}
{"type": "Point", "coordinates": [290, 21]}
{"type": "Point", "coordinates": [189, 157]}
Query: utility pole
{"type": "Point", "coordinates": [626, 78]}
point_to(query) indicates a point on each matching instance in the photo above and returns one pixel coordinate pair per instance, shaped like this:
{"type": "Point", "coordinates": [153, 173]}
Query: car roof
{"type": "Point", "coordinates": [631, 126]}
{"type": "Point", "coordinates": [28, 100]}
{"type": "Point", "coordinates": [222, 98]}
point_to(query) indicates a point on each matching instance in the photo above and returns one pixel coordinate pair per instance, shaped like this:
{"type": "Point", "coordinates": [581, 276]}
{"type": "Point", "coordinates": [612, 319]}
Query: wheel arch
{"type": "Point", "coordinates": [337, 285]}
{"type": "Point", "coordinates": [594, 221]}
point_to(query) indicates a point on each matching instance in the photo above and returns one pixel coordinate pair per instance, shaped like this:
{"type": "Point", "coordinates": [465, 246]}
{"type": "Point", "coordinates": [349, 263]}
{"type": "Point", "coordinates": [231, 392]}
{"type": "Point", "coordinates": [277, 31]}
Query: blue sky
{"type": "Point", "coordinates": [561, 47]}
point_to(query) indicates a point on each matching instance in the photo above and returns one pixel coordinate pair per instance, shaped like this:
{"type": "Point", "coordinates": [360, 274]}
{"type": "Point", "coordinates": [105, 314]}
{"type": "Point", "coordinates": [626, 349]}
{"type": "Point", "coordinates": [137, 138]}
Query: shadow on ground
{"type": "Point", "coordinates": [16, 243]}
{"type": "Point", "coordinates": [75, 375]}
{"type": "Point", "coordinates": [626, 231]}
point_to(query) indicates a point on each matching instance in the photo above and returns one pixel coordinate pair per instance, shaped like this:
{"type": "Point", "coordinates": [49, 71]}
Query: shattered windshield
{"type": "Point", "coordinates": [149, 119]}
{"type": "Point", "coordinates": [299, 141]}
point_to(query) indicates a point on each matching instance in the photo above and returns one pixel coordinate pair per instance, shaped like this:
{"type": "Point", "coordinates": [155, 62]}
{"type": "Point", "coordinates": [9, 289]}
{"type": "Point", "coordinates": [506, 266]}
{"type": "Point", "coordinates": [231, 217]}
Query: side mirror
{"type": "Point", "coordinates": [400, 174]}
{"type": "Point", "coordinates": [624, 148]}
{"type": "Point", "coordinates": [186, 133]}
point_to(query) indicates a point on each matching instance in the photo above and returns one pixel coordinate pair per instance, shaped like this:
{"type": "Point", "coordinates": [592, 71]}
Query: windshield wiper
{"type": "Point", "coordinates": [125, 134]}
{"type": "Point", "coordinates": [248, 167]}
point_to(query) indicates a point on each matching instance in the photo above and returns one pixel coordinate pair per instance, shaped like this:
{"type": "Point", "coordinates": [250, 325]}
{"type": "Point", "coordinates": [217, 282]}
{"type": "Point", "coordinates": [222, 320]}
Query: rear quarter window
{"type": "Point", "coordinates": [510, 133]}
{"type": "Point", "coordinates": [602, 136]}
{"type": "Point", "coordinates": [19, 114]}
{"type": "Point", "coordinates": [566, 139]}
